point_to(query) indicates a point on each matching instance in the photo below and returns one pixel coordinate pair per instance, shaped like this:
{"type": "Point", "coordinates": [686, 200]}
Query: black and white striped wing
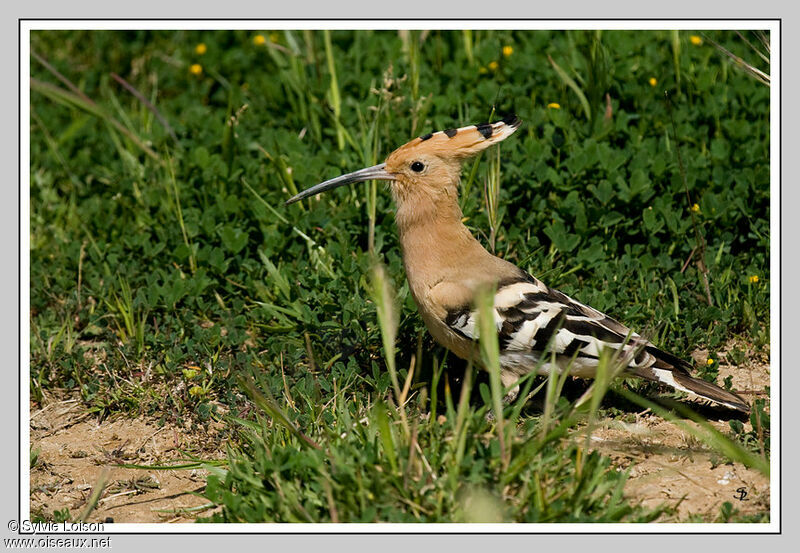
{"type": "Point", "coordinates": [531, 316]}
{"type": "Point", "coordinates": [533, 319]}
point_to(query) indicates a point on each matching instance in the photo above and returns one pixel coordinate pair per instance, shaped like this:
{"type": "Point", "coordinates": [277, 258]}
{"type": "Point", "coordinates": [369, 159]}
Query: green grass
{"type": "Point", "coordinates": [168, 279]}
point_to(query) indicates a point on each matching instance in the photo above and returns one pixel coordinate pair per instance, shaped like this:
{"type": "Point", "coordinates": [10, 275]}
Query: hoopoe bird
{"type": "Point", "coordinates": [539, 328]}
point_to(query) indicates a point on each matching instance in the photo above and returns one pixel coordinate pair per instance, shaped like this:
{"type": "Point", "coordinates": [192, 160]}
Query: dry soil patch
{"type": "Point", "coordinates": [76, 451]}
{"type": "Point", "coordinates": [669, 465]}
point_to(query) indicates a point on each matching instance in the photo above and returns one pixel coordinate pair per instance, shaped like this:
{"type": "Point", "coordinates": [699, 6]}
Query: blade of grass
{"type": "Point", "coordinates": [675, 302]}
{"type": "Point", "coordinates": [555, 383]}
{"type": "Point", "coordinates": [437, 375]}
{"type": "Point", "coordinates": [268, 405]}
{"type": "Point", "coordinates": [752, 47]}
{"type": "Point", "coordinates": [94, 497]}
{"type": "Point", "coordinates": [466, 34]}
{"type": "Point", "coordinates": [750, 69]}
{"type": "Point", "coordinates": [470, 179]}
{"type": "Point", "coordinates": [385, 431]}
{"type": "Point", "coordinates": [69, 84]}
{"type": "Point", "coordinates": [675, 41]}
{"type": "Point", "coordinates": [66, 97]}
{"type": "Point", "coordinates": [491, 195]}
{"type": "Point", "coordinates": [574, 86]}
{"type": "Point", "coordinates": [461, 427]}
{"type": "Point", "coordinates": [183, 466]}
{"type": "Point", "coordinates": [192, 261]}
{"type": "Point", "coordinates": [490, 353]}
{"type": "Point", "coordinates": [161, 119]}
{"type": "Point", "coordinates": [335, 98]}
{"type": "Point", "coordinates": [382, 295]}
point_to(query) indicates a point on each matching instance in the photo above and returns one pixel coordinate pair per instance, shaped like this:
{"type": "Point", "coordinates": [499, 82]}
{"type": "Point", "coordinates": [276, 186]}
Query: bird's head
{"type": "Point", "coordinates": [428, 166]}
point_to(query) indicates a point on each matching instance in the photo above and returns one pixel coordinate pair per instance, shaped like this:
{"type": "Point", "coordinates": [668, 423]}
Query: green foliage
{"type": "Point", "coordinates": [58, 516]}
{"type": "Point", "coordinates": [164, 267]}
{"type": "Point", "coordinates": [757, 438]}
{"type": "Point", "coordinates": [369, 470]}
{"type": "Point", "coordinates": [728, 513]}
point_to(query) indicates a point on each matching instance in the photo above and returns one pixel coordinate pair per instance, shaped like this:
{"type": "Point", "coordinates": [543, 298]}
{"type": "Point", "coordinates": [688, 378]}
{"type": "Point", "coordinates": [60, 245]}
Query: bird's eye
{"type": "Point", "coordinates": [417, 166]}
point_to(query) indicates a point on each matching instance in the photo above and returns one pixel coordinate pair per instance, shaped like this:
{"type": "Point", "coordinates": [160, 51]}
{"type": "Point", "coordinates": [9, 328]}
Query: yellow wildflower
{"type": "Point", "coordinates": [195, 69]}
{"type": "Point", "coordinates": [696, 40]}
{"type": "Point", "coordinates": [200, 49]}
{"type": "Point", "coordinates": [753, 279]}
{"type": "Point", "coordinates": [653, 81]}
{"type": "Point", "coordinates": [493, 65]}
{"type": "Point", "coordinates": [696, 208]}
{"type": "Point", "coordinates": [553, 105]}
{"type": "Point", "coordinates": [710, 362]}
{"type": "Point", "coordinates": [259, 40]}
{"type": "Point", "coordinates": [507, 51]}
{"type": "Point", "coordinates": [195, 391]}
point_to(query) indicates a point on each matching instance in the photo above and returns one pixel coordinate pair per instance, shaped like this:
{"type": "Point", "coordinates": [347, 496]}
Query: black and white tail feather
{"type": "Point", "coordinates": [533, 319]}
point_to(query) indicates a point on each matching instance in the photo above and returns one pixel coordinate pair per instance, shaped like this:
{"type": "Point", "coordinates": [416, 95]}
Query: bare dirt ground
{"type": "Point", "coordinates": [76, 451]}
{"type": "Point", "coordinates": [671, 466]}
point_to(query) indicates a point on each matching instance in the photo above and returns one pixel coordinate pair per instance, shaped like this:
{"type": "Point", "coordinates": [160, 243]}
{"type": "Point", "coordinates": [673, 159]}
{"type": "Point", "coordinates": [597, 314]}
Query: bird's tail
{"type": "Point", "coordinates": [674, 372]}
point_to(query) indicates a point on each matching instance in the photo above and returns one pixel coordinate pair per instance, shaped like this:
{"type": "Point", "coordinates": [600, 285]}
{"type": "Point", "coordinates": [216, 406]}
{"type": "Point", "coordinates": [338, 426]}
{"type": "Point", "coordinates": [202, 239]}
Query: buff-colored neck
{"type": "Point", "coordinates": [435, 242]}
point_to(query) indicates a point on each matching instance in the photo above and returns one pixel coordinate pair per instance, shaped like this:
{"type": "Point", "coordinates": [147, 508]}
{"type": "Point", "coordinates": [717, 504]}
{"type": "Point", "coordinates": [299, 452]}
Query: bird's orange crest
{"type": "Point", "coordinates": [460, 143]}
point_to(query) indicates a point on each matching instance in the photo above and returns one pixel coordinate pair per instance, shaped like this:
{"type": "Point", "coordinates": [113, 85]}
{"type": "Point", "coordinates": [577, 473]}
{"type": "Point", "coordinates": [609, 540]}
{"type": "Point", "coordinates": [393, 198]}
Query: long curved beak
{"type": "Point", "coordinates": [376, 172]}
